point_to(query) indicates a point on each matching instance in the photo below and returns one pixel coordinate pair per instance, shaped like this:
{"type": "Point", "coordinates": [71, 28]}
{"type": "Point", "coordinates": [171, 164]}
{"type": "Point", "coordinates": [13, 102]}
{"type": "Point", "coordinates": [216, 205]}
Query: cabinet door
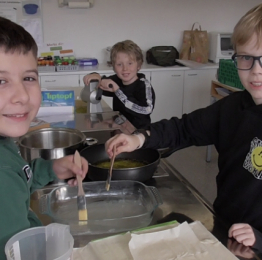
{"type": "Point", "coordinates": [168, 86]}
{"type": "Point", "coordinates": [60, 81]}
{"type": "Point", "coordinates": [197, 88]}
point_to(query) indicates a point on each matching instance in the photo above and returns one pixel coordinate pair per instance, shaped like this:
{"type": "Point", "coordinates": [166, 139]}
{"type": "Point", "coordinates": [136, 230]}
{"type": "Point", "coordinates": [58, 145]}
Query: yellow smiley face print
{"type": "Point", "coordinates": [256, 158]}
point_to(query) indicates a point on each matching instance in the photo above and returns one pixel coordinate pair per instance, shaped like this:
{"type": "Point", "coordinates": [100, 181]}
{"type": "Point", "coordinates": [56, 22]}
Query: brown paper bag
{"type": "Point", "coordinates": [195, 45]}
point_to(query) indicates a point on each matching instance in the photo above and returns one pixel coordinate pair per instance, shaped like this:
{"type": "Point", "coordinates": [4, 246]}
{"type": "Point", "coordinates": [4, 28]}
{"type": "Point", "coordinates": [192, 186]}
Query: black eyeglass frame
{"type": "Point", "coordinates": [234, 56]}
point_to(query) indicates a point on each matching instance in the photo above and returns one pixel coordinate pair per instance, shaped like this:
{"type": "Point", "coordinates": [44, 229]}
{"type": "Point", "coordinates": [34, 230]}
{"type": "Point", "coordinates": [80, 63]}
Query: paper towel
{"type": "Point", "coordinates": [78, 5]}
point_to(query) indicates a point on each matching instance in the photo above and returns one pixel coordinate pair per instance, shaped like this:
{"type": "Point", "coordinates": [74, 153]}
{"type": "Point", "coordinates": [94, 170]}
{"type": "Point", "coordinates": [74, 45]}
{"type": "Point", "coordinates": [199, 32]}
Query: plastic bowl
{"type": "Point", "coordinates": [31, 8]}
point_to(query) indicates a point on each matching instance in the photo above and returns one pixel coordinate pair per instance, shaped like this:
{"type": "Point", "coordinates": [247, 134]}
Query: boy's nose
{"type": "Point", "coordinates": [20, 94]}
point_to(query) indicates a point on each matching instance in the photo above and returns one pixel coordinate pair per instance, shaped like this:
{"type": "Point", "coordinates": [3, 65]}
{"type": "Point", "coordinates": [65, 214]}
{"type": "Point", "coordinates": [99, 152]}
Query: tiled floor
{"type": "Point", "coordinates": [191, 163]}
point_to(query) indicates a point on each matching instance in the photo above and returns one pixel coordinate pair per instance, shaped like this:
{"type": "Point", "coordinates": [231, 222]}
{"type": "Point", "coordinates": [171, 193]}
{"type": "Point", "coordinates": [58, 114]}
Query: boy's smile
{"type": "Point", "coordinates": [252, 79]}
{"type": "Point", "coordinates": [20, 93]}
{"type": "Point", "coordinates": [126, 68]}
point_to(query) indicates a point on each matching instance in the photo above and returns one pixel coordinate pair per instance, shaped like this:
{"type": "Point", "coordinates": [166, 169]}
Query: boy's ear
{"type": "Point", "coordinates": [139, 66]}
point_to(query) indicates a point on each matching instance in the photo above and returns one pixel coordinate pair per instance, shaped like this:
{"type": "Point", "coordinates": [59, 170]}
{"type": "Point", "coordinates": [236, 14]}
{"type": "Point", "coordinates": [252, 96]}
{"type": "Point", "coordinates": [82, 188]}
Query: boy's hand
{"type": "Point", "coordinates": [239, 249]}
{"type": "Point", "coordinates": [242, 233]}
{"type": "Point", "coordinates": [108, 85]}
{"type": "Point", "coordinates": [123, 143]}
{"type": "Point", "coordinates": [65, 168]}
{"type": "Point", "coordinates": [94, 76]}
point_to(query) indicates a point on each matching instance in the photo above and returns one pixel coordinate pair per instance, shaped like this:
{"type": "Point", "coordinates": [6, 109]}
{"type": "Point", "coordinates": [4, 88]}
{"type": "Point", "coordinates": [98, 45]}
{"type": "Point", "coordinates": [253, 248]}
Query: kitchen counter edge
{"type": "Point", "coordinates": [104, 68]}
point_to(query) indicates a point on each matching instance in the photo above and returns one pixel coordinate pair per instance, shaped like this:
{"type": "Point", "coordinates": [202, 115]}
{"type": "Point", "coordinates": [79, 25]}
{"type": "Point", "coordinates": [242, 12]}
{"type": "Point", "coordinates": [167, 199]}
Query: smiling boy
{"type": "Point", "coordinates": [133, 95]}
{"type": "Point", "coordinates": [234, 126]}
{"type": "Point", "coordinates": [20, 98]}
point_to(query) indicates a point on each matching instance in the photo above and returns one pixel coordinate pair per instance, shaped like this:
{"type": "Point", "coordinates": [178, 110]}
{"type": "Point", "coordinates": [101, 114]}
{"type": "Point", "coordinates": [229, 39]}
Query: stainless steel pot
{"type": "Point", "coordinates": [51, 143]}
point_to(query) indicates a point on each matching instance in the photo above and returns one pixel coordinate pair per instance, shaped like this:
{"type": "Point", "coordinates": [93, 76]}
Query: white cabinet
{"type": "Point", "coordinates": [168, 86]}
{"type": "Point", "coordinates": [197, 87]}
{"type": "Point", "coordinates": [177, 91]}
{"type": "Point", "coordinates": [66, 80]}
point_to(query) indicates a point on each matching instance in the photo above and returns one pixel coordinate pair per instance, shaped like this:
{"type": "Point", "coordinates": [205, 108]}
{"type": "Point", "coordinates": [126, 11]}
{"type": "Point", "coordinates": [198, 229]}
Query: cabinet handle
{"type": "Point", "coordinates": [174, 75]}
{"type": "Point", "coordinates": [192, 74]}
{"type": "Point", "coordinates": [54, 80]}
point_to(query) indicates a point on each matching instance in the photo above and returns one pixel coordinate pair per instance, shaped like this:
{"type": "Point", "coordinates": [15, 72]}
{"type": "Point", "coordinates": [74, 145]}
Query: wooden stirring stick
{"type": "Point", "coordinates": [109, 176]}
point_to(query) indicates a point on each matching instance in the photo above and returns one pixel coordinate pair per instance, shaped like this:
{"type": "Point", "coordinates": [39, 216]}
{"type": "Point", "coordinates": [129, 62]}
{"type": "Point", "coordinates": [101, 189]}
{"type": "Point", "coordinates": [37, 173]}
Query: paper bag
{"type": "Point", "coordinates": [195, 45]}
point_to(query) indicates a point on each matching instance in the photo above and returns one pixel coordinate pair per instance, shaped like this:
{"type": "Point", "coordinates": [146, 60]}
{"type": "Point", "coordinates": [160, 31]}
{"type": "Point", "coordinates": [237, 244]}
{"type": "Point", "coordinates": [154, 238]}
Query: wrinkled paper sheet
{"type": "Point", "coordinates": [110, 248]}
{"type": "Point", "coordinates": [183, 242]}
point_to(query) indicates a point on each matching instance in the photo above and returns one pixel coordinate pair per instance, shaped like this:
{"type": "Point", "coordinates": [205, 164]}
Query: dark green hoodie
{"type": "Point", "coordinates": [18, 180]}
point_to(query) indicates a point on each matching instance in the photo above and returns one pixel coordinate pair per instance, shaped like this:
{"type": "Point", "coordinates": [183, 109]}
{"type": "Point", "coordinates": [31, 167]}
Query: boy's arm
{"type": "Point", "coordinates": [113, 78]}
{"type": "Point", "coordinates": [199, 128]}
{"type": "Point", "coordinates": [42, 173]}
{"type": "Point", "coordinates": [142, 102]}
{"type": "Point", "coordinates": [92, 76]}
{"type": "Point", "coordinates": [258, 240]}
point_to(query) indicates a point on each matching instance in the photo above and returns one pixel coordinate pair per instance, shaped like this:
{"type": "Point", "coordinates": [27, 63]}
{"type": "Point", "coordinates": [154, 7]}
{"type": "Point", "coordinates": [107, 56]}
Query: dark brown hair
{"type": "Point", "coordinates": [14, 38]}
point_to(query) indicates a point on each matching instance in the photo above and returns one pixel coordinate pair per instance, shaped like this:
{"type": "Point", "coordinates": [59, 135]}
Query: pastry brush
{"type": "Point", "coordinates": [81, 199]}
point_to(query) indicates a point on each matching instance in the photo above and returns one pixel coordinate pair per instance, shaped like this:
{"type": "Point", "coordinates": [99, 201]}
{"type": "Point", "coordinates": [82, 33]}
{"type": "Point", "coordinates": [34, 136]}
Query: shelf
{"type": "Point", "coordinates": [216, 84]}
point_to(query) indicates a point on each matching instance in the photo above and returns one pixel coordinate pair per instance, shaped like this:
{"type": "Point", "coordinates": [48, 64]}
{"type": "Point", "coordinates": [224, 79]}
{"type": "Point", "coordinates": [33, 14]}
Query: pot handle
{"type": "Point", "coordinates": [156, 195]}
{"type": "Point", "coordinates": [90, 141]}
{"type": "Point", "coordinates": [43, 204]}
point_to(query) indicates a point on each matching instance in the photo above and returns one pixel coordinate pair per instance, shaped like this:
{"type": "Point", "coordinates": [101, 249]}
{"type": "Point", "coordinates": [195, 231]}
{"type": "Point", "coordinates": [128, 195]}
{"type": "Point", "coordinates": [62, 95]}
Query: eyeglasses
{"type": "Point", "coordinates": [246, 62]}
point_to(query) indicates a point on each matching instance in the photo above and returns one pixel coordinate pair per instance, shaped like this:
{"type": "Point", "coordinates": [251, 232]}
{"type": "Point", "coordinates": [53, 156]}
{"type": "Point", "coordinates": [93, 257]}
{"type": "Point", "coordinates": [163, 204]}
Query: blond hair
{"type": "Point", "coordinates": [128, 47]}
{"type": "Point", "coordinates": [247, 26]}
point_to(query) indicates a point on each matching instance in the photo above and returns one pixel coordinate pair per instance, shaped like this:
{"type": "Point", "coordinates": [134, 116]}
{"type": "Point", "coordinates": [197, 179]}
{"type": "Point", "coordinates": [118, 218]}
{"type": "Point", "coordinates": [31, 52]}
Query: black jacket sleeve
{"type": "Point", "coordinates": [197, 128]}
{"type": "Point", "coordinates": [258, 243]}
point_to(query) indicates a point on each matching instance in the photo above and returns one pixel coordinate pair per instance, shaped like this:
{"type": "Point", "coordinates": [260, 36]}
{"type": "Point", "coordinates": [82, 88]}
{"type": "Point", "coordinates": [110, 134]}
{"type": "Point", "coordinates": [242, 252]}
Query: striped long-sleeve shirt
{"type": "Point", "coordinates": [135, 101]}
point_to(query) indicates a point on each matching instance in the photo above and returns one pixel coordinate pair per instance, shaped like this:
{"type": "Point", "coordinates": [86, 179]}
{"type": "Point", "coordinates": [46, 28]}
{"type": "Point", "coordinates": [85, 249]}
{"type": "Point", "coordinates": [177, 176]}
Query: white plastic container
{"type": "Point", "coordinates": [53, 242]}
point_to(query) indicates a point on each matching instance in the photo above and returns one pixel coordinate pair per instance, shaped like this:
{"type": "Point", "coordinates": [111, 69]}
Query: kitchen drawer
{"type": "Point", "coordinates": [60, 81]}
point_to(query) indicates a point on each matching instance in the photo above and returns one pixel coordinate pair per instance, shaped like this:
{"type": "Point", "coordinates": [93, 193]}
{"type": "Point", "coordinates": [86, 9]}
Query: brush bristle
{"type": "Point", "coordinates": [82, 215]}
{"type": "Point", "coordinates": [82, 211]}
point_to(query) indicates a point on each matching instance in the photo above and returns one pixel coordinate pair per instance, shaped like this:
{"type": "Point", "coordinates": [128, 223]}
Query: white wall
{"type": "Point", "coordinates": [146, 22]}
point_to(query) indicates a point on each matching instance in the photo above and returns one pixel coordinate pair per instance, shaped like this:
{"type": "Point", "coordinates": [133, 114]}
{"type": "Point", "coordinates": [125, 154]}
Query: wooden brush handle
{"type": "Point", "coordinates": [112, 160]}
{"type": "Point", "coordinates": [77, 161]}
{"type": "Point", "coordinates": [80, 185]}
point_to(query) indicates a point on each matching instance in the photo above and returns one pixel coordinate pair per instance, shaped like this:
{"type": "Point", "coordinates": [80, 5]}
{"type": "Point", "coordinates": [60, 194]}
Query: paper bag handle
{"type": "Point", "coordinates": [194, 25]}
